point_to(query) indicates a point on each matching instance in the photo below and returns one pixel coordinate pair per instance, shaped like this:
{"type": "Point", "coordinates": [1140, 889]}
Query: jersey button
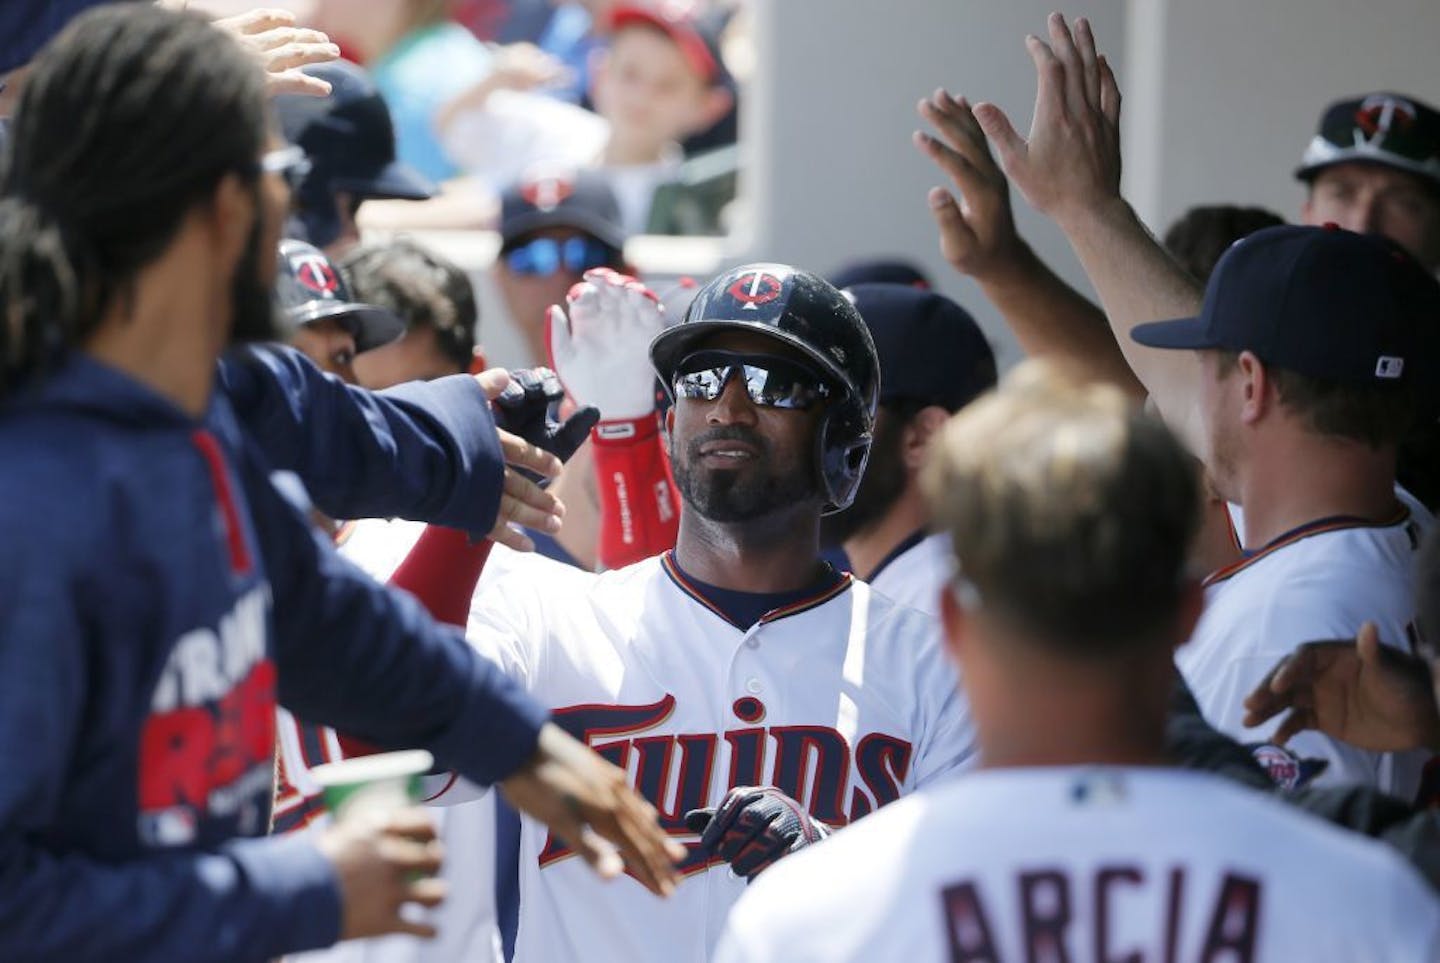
{"type": "Point", "coordinates": [752, 686]}
{"type": "Point", "coordinates": [752, 643]}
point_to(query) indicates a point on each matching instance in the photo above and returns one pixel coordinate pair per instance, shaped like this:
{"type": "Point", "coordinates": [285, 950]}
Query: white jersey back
{"type": "Point", "coordinates": [844, 701]}
{"type": "Point", "coordinates": [916, 577]}
{"type": "Point", "coordinates": [1088, 864]}
{"type": "Point", "coordinates": [1323, 582]}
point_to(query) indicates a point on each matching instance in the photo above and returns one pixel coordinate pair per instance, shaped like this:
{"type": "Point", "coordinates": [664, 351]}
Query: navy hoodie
{"type": "Point", "coordinates": [158, 593]}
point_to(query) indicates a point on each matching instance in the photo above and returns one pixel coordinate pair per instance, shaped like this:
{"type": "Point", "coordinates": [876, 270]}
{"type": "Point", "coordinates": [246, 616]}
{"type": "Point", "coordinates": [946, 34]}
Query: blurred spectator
{"type": "Point", "coordinates": [350, 143]}
{"type": "Point", "coordinates": [1203, 233]}
{"type": "Point", "coordinates": [321, 318]}
{"type": "Point", "coordinates": [431, 294]}
{"type": "Point", "coordinates": [418, 58]}
{"type": "Point", "coordinates": [661, 80]}
{"type": "Point", "coordinates": [553, 228]}
{"type": "Point", "coordinates": [574, 35]}
{"type": "Point", "coordinates": [881, 271]}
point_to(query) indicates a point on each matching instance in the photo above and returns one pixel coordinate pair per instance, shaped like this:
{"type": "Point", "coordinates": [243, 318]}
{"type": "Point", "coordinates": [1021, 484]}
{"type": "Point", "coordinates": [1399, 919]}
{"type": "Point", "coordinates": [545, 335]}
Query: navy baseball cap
{"type": "Point", "coordinates": [1388, 129]}
{"type": "Point", "coordinates": [931, 350]}
{"type": "Point", "coordinates": [1320, 301]}
{"type": "Point", "coordinates": [309, 288]}
{"type": "Point", "coordinates": [561, 197]}
{"type": "Point", "coordinates": [28, 25]}
{"type": "Point", "coordinates": [880, 271]}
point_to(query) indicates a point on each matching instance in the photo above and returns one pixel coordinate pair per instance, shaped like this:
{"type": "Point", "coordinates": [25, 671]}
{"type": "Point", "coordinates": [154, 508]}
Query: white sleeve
{"type": "Point", "coordinates": [501, 629]}
{"type": "Point", "coordinates": [948, 735]}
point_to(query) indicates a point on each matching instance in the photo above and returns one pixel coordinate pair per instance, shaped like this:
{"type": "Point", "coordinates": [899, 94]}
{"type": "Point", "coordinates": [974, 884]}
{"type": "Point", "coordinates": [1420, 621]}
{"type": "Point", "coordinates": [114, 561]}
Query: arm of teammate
{"type": "Point", "coordinates": [427, 451]}
{"type": "Point", "coordinates": [1369, 695]}
{"type": "Point", "coordinates": [978, 238]}
{"type": "Point", "coordinates": [1069, 169]}
{"type": "Point", "coordinates": [368, 661]}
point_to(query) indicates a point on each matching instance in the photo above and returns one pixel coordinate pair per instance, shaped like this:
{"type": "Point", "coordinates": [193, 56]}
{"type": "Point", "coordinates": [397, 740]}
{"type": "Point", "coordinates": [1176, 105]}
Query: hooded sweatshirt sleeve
{"type": "Point", "coordinates": [249, 900]}
{"type": "Point", "coordinates": [425, 451]}
{"type": "Point", "coordinates": [372, 663]}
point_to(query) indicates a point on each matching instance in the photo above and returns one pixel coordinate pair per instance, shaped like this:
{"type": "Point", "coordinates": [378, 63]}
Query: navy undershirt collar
{"type": "Point", "coordinates": [744, 609]}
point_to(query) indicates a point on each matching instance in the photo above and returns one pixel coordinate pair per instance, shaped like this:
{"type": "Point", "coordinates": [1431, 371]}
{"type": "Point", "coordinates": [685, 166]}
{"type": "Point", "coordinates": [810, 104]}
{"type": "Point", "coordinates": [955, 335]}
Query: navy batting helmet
{"type": "Point", "coordinates": [806, 312]}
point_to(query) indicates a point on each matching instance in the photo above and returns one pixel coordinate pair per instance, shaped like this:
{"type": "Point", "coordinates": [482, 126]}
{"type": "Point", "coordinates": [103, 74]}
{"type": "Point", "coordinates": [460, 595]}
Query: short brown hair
{"type": "Point", "coordinates": [1199, 237]}
{"type": "Point", "coordinates": [1376, 415]}
{"type": "Point", "coordinates": [1070, 510]}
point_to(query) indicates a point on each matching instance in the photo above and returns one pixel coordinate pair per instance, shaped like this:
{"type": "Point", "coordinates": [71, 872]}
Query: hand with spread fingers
{"type": "Point", "coordinates": [380, 868]}
{"type": "Point", "coordinates": [282, 49]}
{"type": "Point", "coordinates": [601, 349]}
{"type": "Point", "coordinates": [524, 502]}
{"type": "Point", "coordinates": [588, 803]}
{"type": "Point", "coordinates": [1372, 696]}
{"type": "Point", "coordinates": [977, 230]}
{"type": "Point", "coordinates": [753, 827]}
{"type": "Point", "coordinates": [1069, 166]}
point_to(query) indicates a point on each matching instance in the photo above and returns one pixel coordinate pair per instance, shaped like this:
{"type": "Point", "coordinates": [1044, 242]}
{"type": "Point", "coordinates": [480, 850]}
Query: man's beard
{"type": "Point", "coordinates": [742, 495]}
{"type": "Point", "coordinates": [250, 297]}
{"type": "Point", "coordinates": [881, 486]}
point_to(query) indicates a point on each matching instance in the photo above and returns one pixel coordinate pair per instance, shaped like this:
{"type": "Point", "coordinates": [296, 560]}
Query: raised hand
{"type": "Point", "coordinates": [1069, 166]}
{"type": "Point", "coordinates": [601, 350]}
{"type": "Point", "coordinates": [977, 231]}
{"type": "Point", "coordinates": [282, 49]}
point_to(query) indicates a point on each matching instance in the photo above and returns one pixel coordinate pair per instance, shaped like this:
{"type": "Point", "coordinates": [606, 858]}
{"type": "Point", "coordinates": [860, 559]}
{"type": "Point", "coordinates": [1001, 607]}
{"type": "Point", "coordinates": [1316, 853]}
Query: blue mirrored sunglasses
{"type": "Point", "coordinates": [770, 381]}
{"type": "Point", "coordinates": [547, 255]}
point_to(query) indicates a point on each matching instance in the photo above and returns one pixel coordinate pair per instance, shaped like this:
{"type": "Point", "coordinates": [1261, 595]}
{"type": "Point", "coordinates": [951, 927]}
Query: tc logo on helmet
{"type": "Point", "coordinates": [317, 275]}
{"type": "Point", "coordinates": [754, 289]}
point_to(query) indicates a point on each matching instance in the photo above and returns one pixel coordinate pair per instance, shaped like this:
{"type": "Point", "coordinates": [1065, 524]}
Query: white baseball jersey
{"type": "Point", "coordinates": [916, 576]}
{"type": "Point", "coordinates": [844, 701]}
{"type": "Point", "coordinates": [1419, 514]}
{"type": "Point", "coordinates": [1088, 864]}
{"type": "Point", "coordinates": [1321, 581]}
{"type": "Point", "coordinates": [467, 920]}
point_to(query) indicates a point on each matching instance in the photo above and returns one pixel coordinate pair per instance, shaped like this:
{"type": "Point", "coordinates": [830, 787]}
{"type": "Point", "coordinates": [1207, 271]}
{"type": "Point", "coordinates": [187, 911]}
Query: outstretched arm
{"type": "Point", "coordinates": [1069, 169]}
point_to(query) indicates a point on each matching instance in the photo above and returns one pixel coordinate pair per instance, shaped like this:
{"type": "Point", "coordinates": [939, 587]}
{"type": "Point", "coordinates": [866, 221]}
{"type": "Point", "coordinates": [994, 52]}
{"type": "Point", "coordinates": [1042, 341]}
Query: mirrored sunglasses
{"type": "Point", "coordinates": [547, 255]}
{"type": "Point", "coordinates": [770, 381]}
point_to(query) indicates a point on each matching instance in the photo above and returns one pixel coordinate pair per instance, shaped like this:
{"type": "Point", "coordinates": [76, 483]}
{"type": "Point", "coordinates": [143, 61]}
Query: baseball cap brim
{"type": "Point", "coordinates": [371, 326]}
{"type": "Point", "coordinates": [593, 224]}
{"type": "Point", "coordinates": [393, 181]}
{"type": "Point", "coordinates": [1322, 154]}
{"type": "Point", "coordinates": [1181, 334]}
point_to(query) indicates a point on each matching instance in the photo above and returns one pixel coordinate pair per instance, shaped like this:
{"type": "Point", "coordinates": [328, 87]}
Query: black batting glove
{"type": "Point", "coordinates": [753, 827]}
{"type": "Point", "coordinates": [529, 407]}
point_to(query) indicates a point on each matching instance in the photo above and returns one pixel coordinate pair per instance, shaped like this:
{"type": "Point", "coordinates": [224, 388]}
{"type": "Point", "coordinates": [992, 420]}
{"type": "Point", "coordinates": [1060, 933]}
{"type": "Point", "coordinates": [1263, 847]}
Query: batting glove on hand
{"type": "Point", "coordinates": [528, 408]}
{"type": "Point", "coordinates": [753, 827]}
{"type": "Point", "coordinates": [602, 350]}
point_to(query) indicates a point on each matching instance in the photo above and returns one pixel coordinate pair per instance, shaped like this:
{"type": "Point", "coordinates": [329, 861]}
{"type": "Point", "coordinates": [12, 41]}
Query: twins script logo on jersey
{"type": "Point", "coordinates": [812, 764]}
{"type": "Point", "coordinates": [207, 747]}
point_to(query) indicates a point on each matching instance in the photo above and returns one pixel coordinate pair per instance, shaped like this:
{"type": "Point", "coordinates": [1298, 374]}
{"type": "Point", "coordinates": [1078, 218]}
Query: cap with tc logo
{"type": "Point", "coordinates": [1320, 301]}
{"type": "Point", "coordinates": [1388, 129]}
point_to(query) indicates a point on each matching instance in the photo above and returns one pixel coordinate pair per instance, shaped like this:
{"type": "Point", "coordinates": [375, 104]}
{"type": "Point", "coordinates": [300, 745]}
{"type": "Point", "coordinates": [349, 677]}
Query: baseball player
{"type": "Point", "coordinates": [1295, 386]}
{"type": "Point", "coordinates": [933, 361]}
{"type": "Point", "coordinates": [1071, 514]}
{"type": "Point", "coordinates": [736, 673]}
{"type": "Point", "coordinates": [321, 318]}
